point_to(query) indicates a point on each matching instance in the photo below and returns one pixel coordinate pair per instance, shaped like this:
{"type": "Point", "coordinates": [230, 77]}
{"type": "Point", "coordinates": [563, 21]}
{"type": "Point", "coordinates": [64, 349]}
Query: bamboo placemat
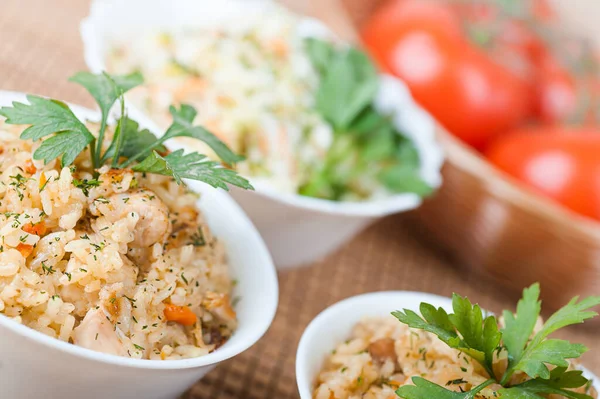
{"type": "Point", "coordinates": [40, 47]}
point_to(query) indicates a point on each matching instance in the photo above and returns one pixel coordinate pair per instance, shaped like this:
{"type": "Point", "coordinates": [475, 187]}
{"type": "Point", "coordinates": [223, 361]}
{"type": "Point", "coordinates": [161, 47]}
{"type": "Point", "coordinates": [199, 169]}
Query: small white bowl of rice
{"type": "Point", "coordinates": [243, 65]}
{"type": "Point", "coordinates": [128, 287]}
{"type": "Point", "coordinates": [356, 349]}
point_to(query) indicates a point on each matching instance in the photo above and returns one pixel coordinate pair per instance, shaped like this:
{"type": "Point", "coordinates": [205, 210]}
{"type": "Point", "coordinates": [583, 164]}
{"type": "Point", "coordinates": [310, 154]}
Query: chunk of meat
{"type": "Point", "coordinates": [220, 306]}
{"type": "Point", "coordinates": [129, 273]}
{"type": "Point", "coordinates": [383, 350]}
{"type": "Point", "coordinates": [97, 333]}
{"type": "Point", "coordinates": [153, 225]}
{"type": "Point", "coordinates": [216, 337]}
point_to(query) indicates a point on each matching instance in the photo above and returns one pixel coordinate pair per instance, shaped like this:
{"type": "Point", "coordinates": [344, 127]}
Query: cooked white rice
{"type": "Point", "coordinates": [251, 81]}
{"type": "Point", "coordinates": [383, 354]}
{"type": "Point", "coordinates": [99, 267]}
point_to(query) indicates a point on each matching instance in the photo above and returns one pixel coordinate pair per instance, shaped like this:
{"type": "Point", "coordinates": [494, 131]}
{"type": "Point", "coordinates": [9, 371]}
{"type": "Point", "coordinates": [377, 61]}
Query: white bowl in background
{"type": "Point", "coordinates": [33, 365]}
{"type": "Point", "coordinates": [334, 325]}
{"type": "Point", "coordinates": [298, 230]}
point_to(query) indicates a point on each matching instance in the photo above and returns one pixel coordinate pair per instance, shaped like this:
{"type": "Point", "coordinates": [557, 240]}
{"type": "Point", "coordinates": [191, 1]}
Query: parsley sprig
{"type": "Point", "coordinates": [66, 136]}
{"type": "Point", "coordinates": [366, 142]}
{"type": "Point", "coordinates": [467, 330]}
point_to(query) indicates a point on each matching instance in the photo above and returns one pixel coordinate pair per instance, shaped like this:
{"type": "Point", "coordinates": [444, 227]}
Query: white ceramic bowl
{"type": "Point", "coordinates": [33, 365]}
{"type": "Point", "coordinates": [334, 325]}
{"type": "Point", "coordinates": [298, 230]}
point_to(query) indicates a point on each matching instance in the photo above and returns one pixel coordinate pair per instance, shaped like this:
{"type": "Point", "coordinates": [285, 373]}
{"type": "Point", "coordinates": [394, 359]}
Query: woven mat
{"type": "Point", "coordinates": [40, 48]}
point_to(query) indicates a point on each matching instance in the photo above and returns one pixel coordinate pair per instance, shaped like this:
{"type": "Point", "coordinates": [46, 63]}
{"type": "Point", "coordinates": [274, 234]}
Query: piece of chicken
{"type": "Point", "coordinates": [383, 350]}
{"type": "Point", "coordinates": [220, 306]}
{"type": "Point", "coordinates": [153, 225]}
{"type": "Point", "coordinates": [97, 333]}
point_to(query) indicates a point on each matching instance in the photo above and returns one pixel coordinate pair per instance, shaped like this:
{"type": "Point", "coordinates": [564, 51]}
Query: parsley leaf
{"type": "Point", "coordinates": [349, 84]}
{"type": "Point", "coordinates": [46, 117]}
{"type": "Point", "coordinates": [70, 136]}
{"type": "Point", "coordinates": [66, 144]}
{"type": "Point", "coordinates": [366, 145]}
{"type": "Point", "coordinates": [541, 351]}
{"type": "Point", "coordinates": [478, 338]}
{"type": "Point", "coordinates": [106, 90]}
{"type": "Point", "coordinates": [573, 313]}
{"type": "Point", "coordinates": [133, 140]}
{"type": "Point", "coordinates": [182, 126]}
{"type": "Point", "coordinates": [378, 140]}
{"type": "Point", "coordinates": [191, 166]}
{"type": "Point", "coordinates": [559, 383]}
{"type": "Point", "coordinates": [518, 328]}
{"type": "Point", "coordinates": [551, 351]}
{"type": "Point", "coordinates": [320, 53]}
{"type": "Point", "coordinates": [435, 321]}
{"type": "Point", "coordinates": [469, 332]}
{"type": "Point", "coordinates": [425, 389]}
{"type": "Point", "coordinates": [405, 179]}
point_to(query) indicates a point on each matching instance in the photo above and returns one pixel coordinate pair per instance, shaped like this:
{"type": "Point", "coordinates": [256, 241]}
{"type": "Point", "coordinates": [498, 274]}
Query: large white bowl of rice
{"type": "Point", "coordinates": [244, 66]}
{"type": "Point", "coordinates": [122, 285]}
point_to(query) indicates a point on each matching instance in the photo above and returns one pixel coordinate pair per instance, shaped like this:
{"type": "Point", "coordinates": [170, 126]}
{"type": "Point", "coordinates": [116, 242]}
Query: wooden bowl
{"type": "Point", "coordinates": [490, 223]}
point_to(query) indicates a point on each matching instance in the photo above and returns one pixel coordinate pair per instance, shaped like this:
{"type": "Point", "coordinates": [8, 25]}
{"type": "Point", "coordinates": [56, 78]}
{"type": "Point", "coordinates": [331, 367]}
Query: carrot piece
{"type": "Point", "coordinates": [29, 167]}
{"type": "Point", "coordinates": [38, 229]}
{"type": "Point", "coordinates": [25, 249]}
{"type": "Point", "coordinates": [180, 314]}
{"type": "Point", "coordinates": [279, 48]}
{"type": "Point", "coordinates": [394, 384]}
{"type": "Point", "coordinates": [43, 180]}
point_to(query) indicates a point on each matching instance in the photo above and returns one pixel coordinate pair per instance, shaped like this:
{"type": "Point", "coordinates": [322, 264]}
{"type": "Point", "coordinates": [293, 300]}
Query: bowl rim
{"type": "Point", "coordinates": [94, 59]}
{"type": "Point", "coordinates": [255, 331]}
{"type": "Point", "coordinates": [318, 326]}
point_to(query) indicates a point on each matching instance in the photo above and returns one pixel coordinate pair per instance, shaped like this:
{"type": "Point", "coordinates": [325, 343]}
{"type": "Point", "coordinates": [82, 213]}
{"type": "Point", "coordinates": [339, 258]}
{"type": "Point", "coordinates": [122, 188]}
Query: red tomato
{"type": "Point", "coordinates": [421, 41]}
{"type": "Point", "coordinates": [559, 162]}
{"type": "Point", "coordinates": [503, 30]}
{"type": "Point", "coordinates": [404, 15]}
{"type": "Point", "coordinates": [519, 48]}
{"type": "Point", "coordinates": [521, 39]}
{"type": "Point", "coordinates": [556, 92]}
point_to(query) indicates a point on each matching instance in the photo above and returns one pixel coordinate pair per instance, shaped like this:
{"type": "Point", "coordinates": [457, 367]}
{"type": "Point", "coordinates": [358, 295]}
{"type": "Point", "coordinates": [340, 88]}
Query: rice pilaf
{"type": "Point", "coordinates": [382, 355]}
{"type": "Point", "coordinates": [121, 263]}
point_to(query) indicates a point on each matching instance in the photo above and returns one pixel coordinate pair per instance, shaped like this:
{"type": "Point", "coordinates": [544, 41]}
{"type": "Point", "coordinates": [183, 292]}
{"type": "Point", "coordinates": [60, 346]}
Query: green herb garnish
{"type": "Point", "coordinates": [197, 239]}
{"type": "Point", "coordinates": [85, 185]}
{"type": "Point", "coordinates": [141, 348]}
{"type": "Point", "coordinates": [366, 143]}
{"type": "Point", "coordinates": [47, 269]}
{"type": "Point", "coordinates": [18, 183]}
{"type": "Point", "coordinates": [468, 331]}
{"type": "Point", "coordinates": [130, 147]}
